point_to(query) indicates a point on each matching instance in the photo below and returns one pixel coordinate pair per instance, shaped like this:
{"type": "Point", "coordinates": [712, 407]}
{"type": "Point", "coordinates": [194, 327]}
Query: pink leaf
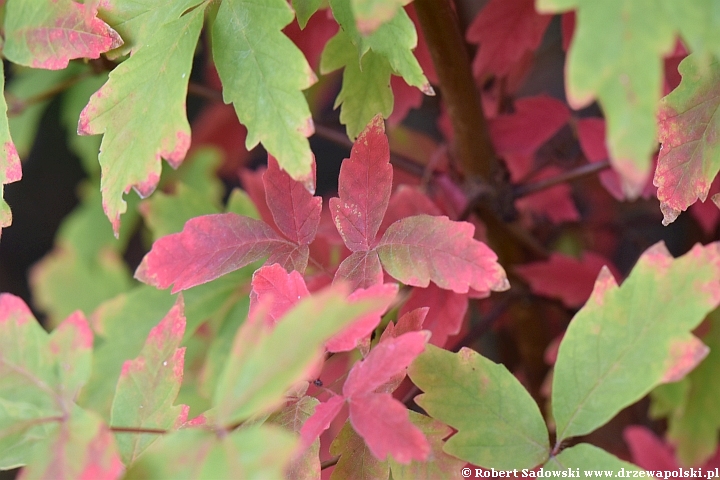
{"type": "Point", "coordinates": [685, 355]}
{"type": "Point", "coordinates": [295, 210]}
{"type": "Point", "coordinates": [218, 125]}
{"type": "Point", "coordinates": [420, 249]}
{"type": "Point", "coordinates": [50, 33]}
{"type": "Point", "coordinates": [364, 188]}
{"type": "Point", "coordinates": [409, 322]}
{"type": "Point", "coordinates": [311, 39]}
{"type": "Point", "coordinates": [208, 247]}
{"type": "Point", "coordinates": [505, 31]}
{"type": "Point", "coordinates": [285, 289]}
{"type": "Point", "coordinates": [566, 278]}
{"type": "Point", "coordinates": [385, 361]}
{"type": "Point", "coordinates": [407, 201]}
{"type": "Point", "coordinates": [518, 135]}
{"type": "Point", "coordinates": [406, 98]}
{"type": "Point", "coordinates": [554, 203]}
{"type": "Point", "coordinates": [360, 329]}
{"type": "Point", "coordinates": [383, 423]}
{"type": "Point", "coordinates": [707, 214]}
{"type": "Point", "coordinates": [360, 270]}
{"type": "Point", "coordinates": [320, 421]}
{"type": "Point", "coordinates": [254, 186]}
{"type": "Point", "coordinates": [647, 450]}
{"type": "Point", "coordinates": [446, 311]}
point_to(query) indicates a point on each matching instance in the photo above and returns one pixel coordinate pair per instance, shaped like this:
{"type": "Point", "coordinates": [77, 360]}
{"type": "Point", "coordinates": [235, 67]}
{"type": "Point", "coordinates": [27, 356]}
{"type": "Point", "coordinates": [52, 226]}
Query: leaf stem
{"type": "Point", "coordinates": [573, 174]}
{"type": "Point", "coordinates": [329, 463]}
{"type": "Point", "coordinates": [16, 105]}
{"type": "Point", "coordinates": [157, 431]}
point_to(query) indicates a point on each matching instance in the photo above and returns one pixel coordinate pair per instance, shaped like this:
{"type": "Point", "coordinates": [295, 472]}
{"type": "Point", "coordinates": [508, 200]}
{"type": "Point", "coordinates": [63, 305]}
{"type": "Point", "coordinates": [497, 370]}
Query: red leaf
{"type": "Point", "coordinates": [563, 277]}
{"type": "Point", "coordinates": [422, 248]}
{"type": "Point", "coordinates": [647, 450]}
{"type": "Point", "coordinates": [518, 135]}
{"type": "Point", "coordinates": [218, 125]}
{"type": "Point", "coordinates": [360, 329]}
{"type": "Point", "coordinates": [295, 210]}
{"type": "Point", "coordinates": [320, 421]}
{"type": "Point", "coordinates": [211, 246]}
{"type": "Point", "coordinates": [254, 186]}
{"type": "Point", "coordinates": [422, 52]}
{"type": "Point", "coordinates": [311, 40]}
{"type": "Point", "coordinates": [48, 34]}
{"type": "Point", "coordinates": [409, 322]}
{"type": "Point", "coordinates": [406, 98]}
{"type": "Point", "coordinates": [385, 361]}
{"type": "Point", "coordinates": [407, 201]}
{"type": "Point", "coordinates": [446, 311]}
{"type": "Point", "coordinates": [364, 188]}
{"type": "Point", "coordinates": [554, 203]}
{"type": "Point", "coordinates": [360, 270]}
{"type": "Point", "coordinates": [285, 289]}
{"type": "Point", "coordinates": [505, 31]}
{"type": "Point", "coordinates": [383, 423]}
{"type": "Point", "coordinates": [591, 134]}
{"type": "Point", "coordinates": [707, 214]}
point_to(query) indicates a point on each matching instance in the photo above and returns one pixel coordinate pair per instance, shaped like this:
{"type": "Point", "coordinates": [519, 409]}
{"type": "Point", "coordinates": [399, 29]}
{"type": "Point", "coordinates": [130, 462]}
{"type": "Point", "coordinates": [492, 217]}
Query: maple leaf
{"type": "Point", "coordinates": [141, 112]}
{"type": "Point", "coordinates": [10, 169]}
{"type": "Point", "coordinates": [687, 124]}
{"type": "Point", "coordinates": [505, 31]}
{"type": "Point", "coordinates": [422, 248]}
{"type": "Point", "coordinates": [517, 136]}
{"type": "Point", "coordinates": [292, 417]}
{"type": "Point", "coordinates": [149, 384]}
{"type": "Point", "coordinates": [50, 33]}
{"type": "Point", "coordinates": [304, 9]}
{"type": "Point", "coordinates": [636, 342]}
{"type": "Point", "coordinates": [585, 456]}
{"type": "Point", "coordinates": [139, 20]}
{"type": "Point", "coordinates": [286, 290]}
{"type": "Point", "coordinates": [498, 423]}
{"type": "Point", "coordinates": [446, 313]}
{"type": "Point", "coordinates": [360, 270]}
{"type": "Point", "coordinates": [370, 14]}
{"type": "Point", "coordinates": [265, 84]}
{"type": "Point", "coordinates": [591, 135]}
{"type": "Point", "coordinates": [356, 457]}
{"type": "Point", "coordinates": [566, 278]}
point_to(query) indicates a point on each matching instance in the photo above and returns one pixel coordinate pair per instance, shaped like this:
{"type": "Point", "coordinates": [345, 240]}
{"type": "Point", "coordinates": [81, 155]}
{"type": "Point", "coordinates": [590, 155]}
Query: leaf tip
{"type": "Point", "coordinates": [605, 282]}
{"type": "Point", "coordinates": [670, 214]}
{"type": "Point", "coordinates": [13, 171]}
{"type": "Point", "coordinates": [683, 357]}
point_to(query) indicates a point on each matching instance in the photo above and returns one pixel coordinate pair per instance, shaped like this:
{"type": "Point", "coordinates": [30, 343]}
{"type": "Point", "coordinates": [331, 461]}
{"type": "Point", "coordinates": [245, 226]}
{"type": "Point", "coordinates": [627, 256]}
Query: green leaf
{"type": "Point", "coordinates": [440, 464]}
{"type": "Point", "coordinates": [167, 213]}
{"type": "Point", "coordinates": [304, 9]}
{"type": "Point", "coordinates": [626, 340]}
{"type": "Point", "coordinates": [10, 170]}
{"type": "Point", "coordinates": [264, 364]}
{"type": "Point", "coordinates": [356, 460]}
{"type": "Point", "coordinates": [586, 457]}
{"type": "Point", "coordinates": [366, 83]}
{"type": "Point", "coordinates": [370, 14]}
{"type": "Point", "coordinates": [141, 112]}
{"type": "Point", "coordinates": [292, 417]}
{"type": "Point", "coordinates": [265, 83]}
{"type": "Point", "coordinates": [616, 57]}
{"type": "Point", "coordinates": [239, 202]}
{"type": "Point", "coordinates": [138, 20]}
{"type": "Point", "coordinates": [694, 422]}
{"type": "Point", "coordinates": [499, 424]}
{"type": "Point", "coordinates": [394, 40]}
{"type": "Point", "coordinates": [256, 452]}
{"type": "Point", "coordinates": [149, 385]}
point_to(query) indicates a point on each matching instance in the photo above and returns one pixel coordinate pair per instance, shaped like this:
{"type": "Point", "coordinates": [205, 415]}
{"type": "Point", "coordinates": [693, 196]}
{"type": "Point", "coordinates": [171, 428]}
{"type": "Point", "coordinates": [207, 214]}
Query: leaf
{"type": "Point", "coordinates": [209, 247]}
{"type": "Point", "coordinates": [138, 21]}
{"type": "Point", "coordinates": [360, 270]}
{"type": "Point", "coordinates": [620, 344]}
{"type": "Point", "coordinates": [566, 278]}
{"type": "Point", "coordinates": [364, 188]}
{"type": "Point", "coordinates": [295, 210]}
{"type": "Point", "coordinates": [394, 40]}
{"type": "Point", "coordinates": [321, 419]}
{"type": "Point", "coordinates": [265, 84]}
{"type": "Point", "coordinates": [505, 32]}
{"type": "Point", "coordinates": [446, 312]}
{"type": "Point", "coordinates": [517, 136]}
{"type": "Point", "coordinates": [589, 457]}
{"type": "Point", "coordinates": [439, 464]}
{"type": "Point", "coordinates": [366, 88]}
{"type": "Point", "coordinates": [10, 169]}
{"type": "Point", "coordinates": [647, 450]}
{"type": "Point", "coordinates": [141, 113]}
{"type": "Point", "coordinates": [304, 9]}
{"type": "Point", "coordinates": [422, 248]}
{"type": "Point", "coordinates": [80, 447]}
{"type": "Point", "coordinates": [50, 33]}
{"type": "Point", "coordinates": [283, 290]}
{"type": "Point", "coordinates": [499, 424]}
{"type": "Point", "coordinates": [292, 417]}
{"type": "Point", "coordinates": [149, 384]}
{"type": "Point", "coordinates": [370, 14]}
{"type": "Point", "coordinates": [253, 452]}
{"type": "Point", "coordinates": [554, 203]}
{"type": "Point", "coordinates": [264, 364]}
{"type": "Point", "coordinates": [615, 57]}
{"type": "Point", "coordinates": [688, 160]}
{"type": "Point", "coordinates": [165, 214]}
{"type": "Point", "coordinates": [356, 461]}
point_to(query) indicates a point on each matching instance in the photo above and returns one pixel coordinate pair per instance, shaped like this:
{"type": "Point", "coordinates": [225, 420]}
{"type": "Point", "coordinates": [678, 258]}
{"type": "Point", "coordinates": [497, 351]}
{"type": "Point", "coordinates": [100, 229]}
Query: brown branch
{"type": "Point", "coordinates": [329, 463]}
{"type": "Point", "coordinates": [156, 431]}
{"type": "Point", "coordinates": [582, 171]}
{"type": "Point", "coordinates": [207, 93]}
{"type": "Point", "coordinates": [449, 54]}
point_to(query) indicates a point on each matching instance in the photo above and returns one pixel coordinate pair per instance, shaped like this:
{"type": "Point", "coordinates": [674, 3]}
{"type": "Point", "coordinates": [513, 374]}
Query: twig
{"type": "Point", "coordinates": [329, 463]}
{"type": "Point", "coordinates": [156, 431]}
{"type": "Point", "coordinates": [207, 93]}
{"type": "Point", "coordinates": [573, 174]}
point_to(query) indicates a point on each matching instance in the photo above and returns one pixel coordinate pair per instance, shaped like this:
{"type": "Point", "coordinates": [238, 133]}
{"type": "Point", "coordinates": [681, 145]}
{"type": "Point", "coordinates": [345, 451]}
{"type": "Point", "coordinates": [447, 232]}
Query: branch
{"type": "Point", "coordinates": [157, 431]}
{"type": "Point", "coordinates": [576, 173]}
{"type": "Point", "coordinates": [449, 54]}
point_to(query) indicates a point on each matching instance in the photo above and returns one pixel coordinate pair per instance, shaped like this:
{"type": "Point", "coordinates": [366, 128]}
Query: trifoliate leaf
{"type": "Point", "coordinates": [265, 82]}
